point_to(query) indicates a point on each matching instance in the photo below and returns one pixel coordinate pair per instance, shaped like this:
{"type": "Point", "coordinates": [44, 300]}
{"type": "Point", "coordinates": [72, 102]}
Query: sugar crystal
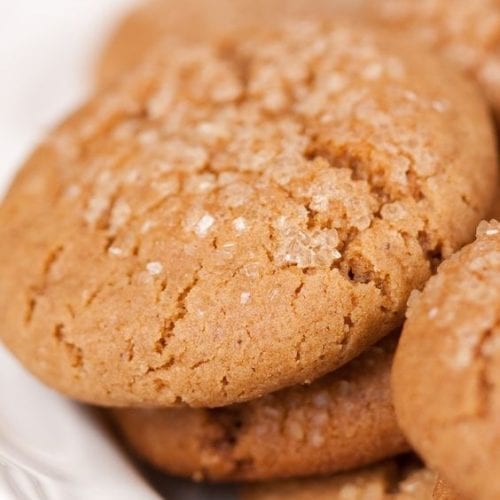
{"type": "Point", "coordinates": [245, 297]}
{"type": "Point", "coordinates": [154, 268]}
{"type": "Point", "coordinates": [240, 224]}
{"type": "Point", "coordinates": [203, 225]}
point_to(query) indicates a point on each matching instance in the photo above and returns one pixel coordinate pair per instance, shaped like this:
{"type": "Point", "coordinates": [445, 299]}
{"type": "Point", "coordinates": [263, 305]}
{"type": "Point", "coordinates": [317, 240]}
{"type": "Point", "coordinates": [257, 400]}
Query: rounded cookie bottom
{"type": "Point", "coordinates": [341, 421]}
{"type": "Point", "coordinates": [402, 479]}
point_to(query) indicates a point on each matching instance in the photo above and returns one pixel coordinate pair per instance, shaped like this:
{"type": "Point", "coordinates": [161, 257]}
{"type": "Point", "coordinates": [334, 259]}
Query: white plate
{"type": "Point", "coordinates": [52, 448]}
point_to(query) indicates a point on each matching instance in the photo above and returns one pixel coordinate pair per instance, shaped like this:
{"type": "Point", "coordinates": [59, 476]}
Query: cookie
{"type": "Point", "coordinates": [389, 480]}
{"type": "Point", "coordinates": [341, 421]}
{"type": "Point", "coordinates": [234, 219]}
{"type": "Point", "coordinates": [446, 372]}
{"type": "Point", "coordinates": [465, 32]}
{"type": "Point", "coordinates": [195, 20]}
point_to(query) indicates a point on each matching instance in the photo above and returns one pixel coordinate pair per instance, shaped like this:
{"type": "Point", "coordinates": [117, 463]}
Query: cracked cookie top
{"type": "Point", "coordinates": [447, 369]}
{"type": "Point", "coordinates": [239, 217]}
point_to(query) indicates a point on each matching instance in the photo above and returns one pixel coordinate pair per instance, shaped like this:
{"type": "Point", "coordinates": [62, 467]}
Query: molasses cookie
{"type": "Point", "coordinates": [402, 479]}
{"type": "Point", "coordinates": [233, 219]}
{"type": "Point", "coordinates": [465, 32]}
{"type": "Point", "coordinates": [197, 20]}
{"type": "Point", "coordinates": [447, 369]}
{"type": "Point", "coordinates": [341, 421]}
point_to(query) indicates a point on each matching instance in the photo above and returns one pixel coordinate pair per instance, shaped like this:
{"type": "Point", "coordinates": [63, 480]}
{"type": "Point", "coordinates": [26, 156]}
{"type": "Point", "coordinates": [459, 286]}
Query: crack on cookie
{"type": "Point", "coordinates": [170, 322]}
{"type": "Point", "coordinates": [298, 348]}
{"type": "Point", "coordinates": [348, 323]}
{"type": "Point", "coordinates": [433, 253]}
{"type": "Point", "coordinates": [199, 363]}
{"type": "Point", "coordinates": [89, 298]}
{"type": "Point", "coordinates": [338, 157]}
{"type": "Point", "coordinates": [165, 366]}
{"type": "Point", "coordinates": [296, 292]}
{"type": "Point", "coordinates": [130, 353]}
{"type": "Point", "coordinates": [74, 352]}
{"type": "Point", "coordinates": [30, 308]}
{"type": "Point", "coordinates": [159, 384]}
{"type": "Point", "coordinates": [71, 311]}
{"type": "Point", "coordinates": [38, 289]}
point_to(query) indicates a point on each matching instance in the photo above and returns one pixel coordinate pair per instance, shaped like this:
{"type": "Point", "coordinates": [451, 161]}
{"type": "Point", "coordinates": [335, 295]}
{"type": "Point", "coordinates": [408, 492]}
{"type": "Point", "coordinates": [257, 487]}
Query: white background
{"type": "Point", "coordinates": [48, 50]}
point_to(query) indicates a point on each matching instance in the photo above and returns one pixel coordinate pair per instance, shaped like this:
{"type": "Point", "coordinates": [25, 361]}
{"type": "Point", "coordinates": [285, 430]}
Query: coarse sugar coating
{"type": "Point", "coordinates": [465, 32]}
{"type": "Point", "coordinates": [447, 369]}
{"type": "Point", "coordinates": [197, 21]}
{"type": "Point", "coordinates": [233, 219]}
{"type": "Point", "coordinates": [401, 479]}
{"type": "Point", "coordinates": [341, 421]}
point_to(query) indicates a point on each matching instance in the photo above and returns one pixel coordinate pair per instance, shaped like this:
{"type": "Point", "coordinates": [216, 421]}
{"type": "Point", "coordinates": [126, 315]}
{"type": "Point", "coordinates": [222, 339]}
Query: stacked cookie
{"type": "Point", "coordinates": [220, 246]}
{"type": "Point", "coordinates": [463, 32]}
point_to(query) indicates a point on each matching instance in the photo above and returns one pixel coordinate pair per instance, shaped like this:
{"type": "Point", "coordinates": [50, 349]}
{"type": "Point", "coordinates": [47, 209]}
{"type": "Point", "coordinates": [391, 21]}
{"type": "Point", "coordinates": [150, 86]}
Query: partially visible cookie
{"type": "Point", "coordinates": [339, 422]}
{"type": "Point", "coordinates": [446, 376]}
{"type": "Point", "coordinates": [402, 479]}
{"type": "Point", "coordinates": [196, 20]}
{"type": "Point", "coordinates": [465, 32]}
{"type": "Point", "coordinates": [236, 218]}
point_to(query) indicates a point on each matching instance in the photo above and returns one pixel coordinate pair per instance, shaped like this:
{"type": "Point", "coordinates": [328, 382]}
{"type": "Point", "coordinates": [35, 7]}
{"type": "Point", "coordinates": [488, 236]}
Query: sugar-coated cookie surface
{"type": "Point", "coordinates": [233, 219]}
{"type": "Point", "coordinates": [465, 32]}
{"type": "Point", "coordinates": [389, 480]}
{"type": "Point", "coordinates": [197, 20]}
{"type": "Point", "coordinates": [341, 421]}
{"type": "Point", "coordinates": [447, 369]}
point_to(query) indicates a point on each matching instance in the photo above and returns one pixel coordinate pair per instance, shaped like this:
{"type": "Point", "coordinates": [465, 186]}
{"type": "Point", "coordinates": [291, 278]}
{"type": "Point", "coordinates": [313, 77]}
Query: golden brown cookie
{"type": "Point", "coordinates": [465, 32]}
{"type": "Point", "coordinates": [231, 220]}
{"type": "Point", "coordinates": [196, 20]}
{"type": "Point", "coordinates": [447, 369]}
{"type": "Point", "coordinates": [341, 421]}
{"type": "Point", "coordinates": [402, 479]}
